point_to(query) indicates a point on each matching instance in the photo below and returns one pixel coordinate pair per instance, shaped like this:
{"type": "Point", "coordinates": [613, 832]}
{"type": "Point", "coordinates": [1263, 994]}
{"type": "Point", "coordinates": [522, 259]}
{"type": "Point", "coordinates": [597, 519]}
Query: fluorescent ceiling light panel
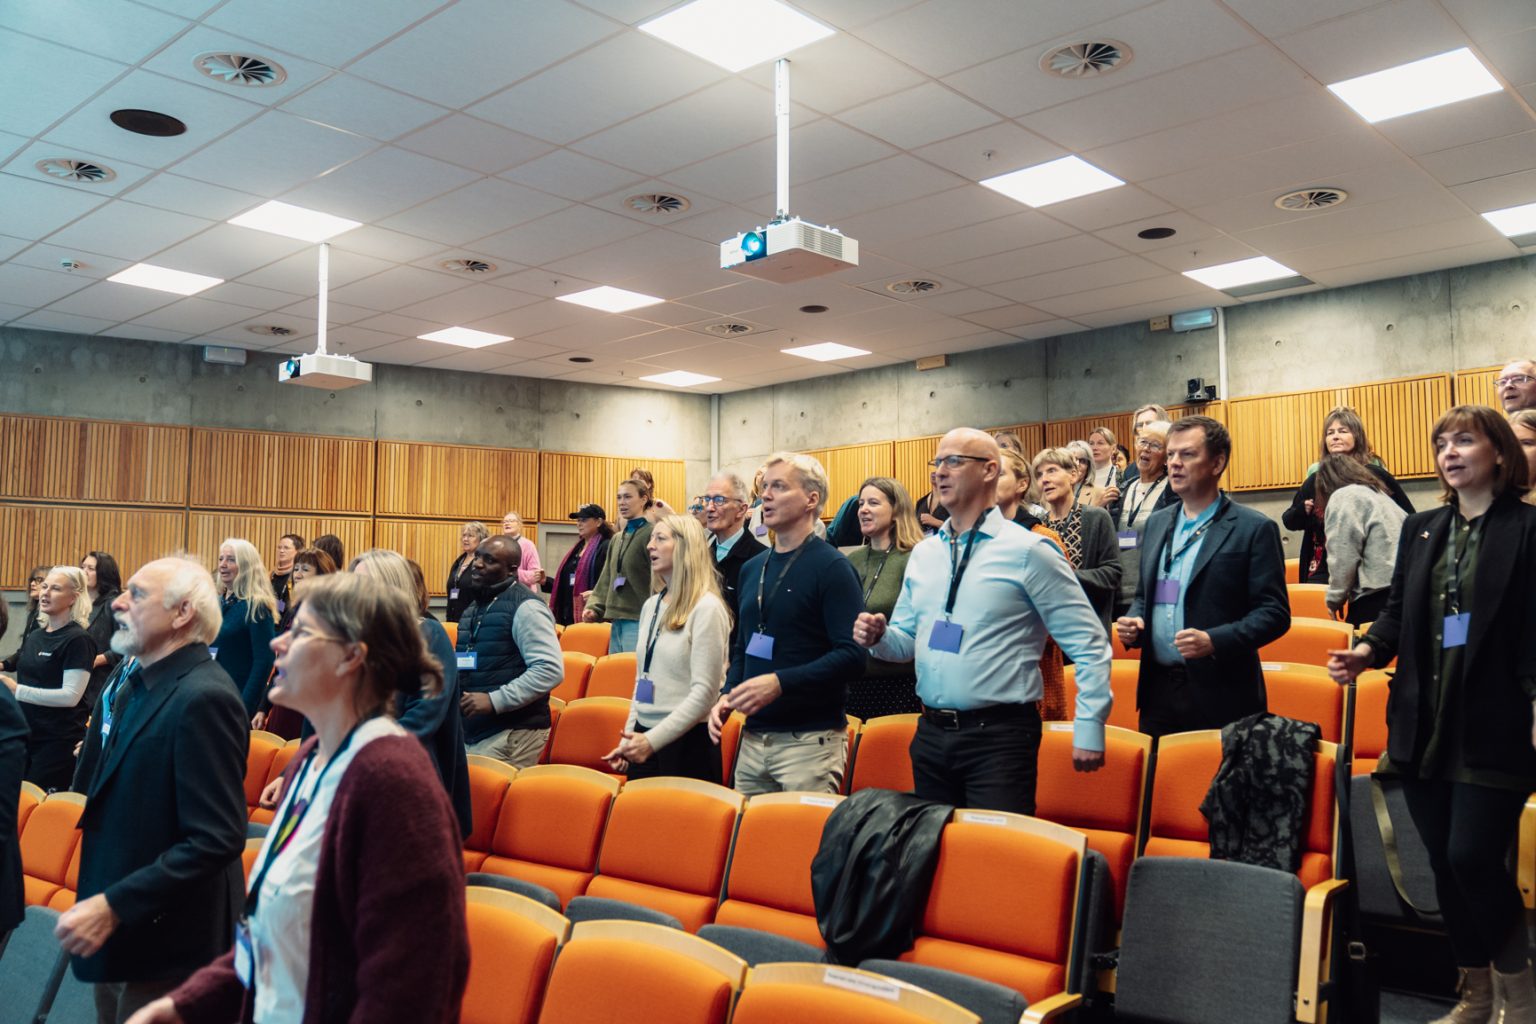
{"type": "Point", "coordinates": [1419, 85]}
{"type": "Point", "coordinates": [294, 222]}
{"type": "Point", "coordinates": [825, 352]}
{"type": "Point", "coordinates": [610, 300]}
{"type": "Point", "coordinates": [736, 34]}
{"type": "Point", "coordinates": [1513, 220]}
{"type": "Point", "coordinates": [1233, 275]}
{"type": "Point", "coordinates": [163, 279]}
{"type": "Point", "coordinates": [680, 378]}
{"type": "Point", "coordinates": [464, 337]}
{"type": "Point", "coordinates": [1052, 182]}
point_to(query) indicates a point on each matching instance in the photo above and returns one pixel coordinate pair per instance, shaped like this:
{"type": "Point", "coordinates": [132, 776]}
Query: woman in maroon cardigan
{"type": "Point", "coordinates": [355, 910]}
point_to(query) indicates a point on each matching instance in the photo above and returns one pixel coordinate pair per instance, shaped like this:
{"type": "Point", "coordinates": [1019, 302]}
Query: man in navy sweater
{"type": "Point", "coordinates": [794, 651]}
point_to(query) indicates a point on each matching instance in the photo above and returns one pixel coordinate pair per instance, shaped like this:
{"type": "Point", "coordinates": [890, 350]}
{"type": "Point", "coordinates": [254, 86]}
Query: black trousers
{"type": "Point", "coordinates": [1169, 702]}
{"type": "Point", "coordinates": [51, 762]}
{"type": "Point", "coordinates": [1469, 831]}
{"type": "Point", "coordinates": [991, 766]}
{"type": "Point", "coordinates": [691, 756]}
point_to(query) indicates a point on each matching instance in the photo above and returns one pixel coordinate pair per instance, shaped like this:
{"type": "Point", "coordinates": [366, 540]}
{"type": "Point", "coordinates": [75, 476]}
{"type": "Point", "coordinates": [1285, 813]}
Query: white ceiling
{"type": "Point", "coordinates": [512, 130]}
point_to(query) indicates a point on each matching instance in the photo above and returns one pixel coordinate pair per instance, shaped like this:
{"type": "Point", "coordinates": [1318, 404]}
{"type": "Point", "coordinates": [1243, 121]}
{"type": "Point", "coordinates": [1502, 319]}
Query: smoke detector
{"type": "Point", "coordinates": [270, 330]}
{"type": "Point", "coordinates": [468, 266]}
{"type": "Point", "coordinates": [912, 289]}
{"type": "Point", "coordinates": [240, 69]}
{"type": "Point", "coordinates": [1304, 200]}
{"type": "Point", "coordinates": [82, 171]}
{"type": "Point", "coordinates": [1086, 60]}
{"type": "Point", "coordinates": [657, 203]}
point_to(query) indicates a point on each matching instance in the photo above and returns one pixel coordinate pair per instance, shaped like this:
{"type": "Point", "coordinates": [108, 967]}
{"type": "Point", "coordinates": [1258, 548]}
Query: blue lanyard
{"type": "Point", "coordinates": [957, 572]}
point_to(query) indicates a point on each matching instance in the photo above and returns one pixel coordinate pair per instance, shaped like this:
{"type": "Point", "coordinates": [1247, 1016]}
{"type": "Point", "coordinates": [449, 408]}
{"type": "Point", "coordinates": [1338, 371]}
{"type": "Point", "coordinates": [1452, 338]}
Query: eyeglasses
{"type": "Point", "coordinates": [1514, 380]}
{"type": "Point", "coordinates": [695, 508]}
{"type": "Point", "coordinates": [1148, 446]}
{"type": "Point", "coordinates": [955, 461]}
{"type": "Point", "coordinates": [305, 633]}
{"type": "Point", "coordinates": [717, 499]}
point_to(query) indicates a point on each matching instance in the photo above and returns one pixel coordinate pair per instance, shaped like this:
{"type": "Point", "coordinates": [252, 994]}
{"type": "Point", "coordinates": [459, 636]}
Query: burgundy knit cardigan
{"type": "Point", "coordinates": [388, 940]}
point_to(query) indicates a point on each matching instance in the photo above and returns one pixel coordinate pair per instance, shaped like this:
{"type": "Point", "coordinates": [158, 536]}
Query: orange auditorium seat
{"type": "Point", "coordinates": [730, 746]}
{"type": "Point", "coordinates": [65, 897]}
{"type": "Point", "coordinates": [586, 637]}
{"type": "Point", "coordinates": [1370, 737]}
{"type": "Point", "coordinates": [882, 759]}
{"type": "Point", "coordinates": [452, 629]}
{"type": "Point", "coordinates": [666, 847]}
{"type": "Point", "coordinates": [550, 827]}
{"type": "Point", "coordinates": [512, 946]}
{"type": "Point", "coordinates": [488, 782]}
{"type": "Point", "coordinates": [48, 846]}
{"type": "Point", "coordinates": [1308, 642]}
{"type": "Point", "coordinates": [1293, 570]}
{"type": "Point", "coordinates": [258, 765]}
{"type": "Point", "coordinates": [641, 974]}
{"type": "Point", "coordinates": [769, 883]}
{"type": "Point", "coordinates": [31, 795]}
{"type": "Point", "coordinates": [1306, 693]}
{"type": "Point", "coordinates": [824, 994]}
{"type": "Point", "coordinates": [1104, 805]}
{"type": "Point", "coordinates": [613, 676]}
{"type": "Point", "coordinates": [578, 667]}
{"type": "Point", "coordinates": [1308, 600]}
{"type": "Point", "coordinates": [281, 758]}
{"type": "Point", "coordinates": [1124, 674]}
{"type": "Point", "coordinates": [588, 729]}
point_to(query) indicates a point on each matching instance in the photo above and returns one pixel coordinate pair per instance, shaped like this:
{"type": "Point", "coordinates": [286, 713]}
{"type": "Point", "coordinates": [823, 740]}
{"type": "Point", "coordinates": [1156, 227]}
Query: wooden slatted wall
{"type": "Point", "coordinates": [910, 463]}
{"type": "Point", "coordinates": [848, 466]}
{"type": "Point", "coordinates": [432, 545]}
{"type": "Point", "coordinates": [1398, 416]}
{"type": "Point", "coordinates": [248, 469]}
{"type": "Point", "coordinates": [1475, 387]}
{"type": "Point", "coordinates": [568, 481]}
{"type": "Point", "coordinates": [37, 534]}
{"type": "Point", "coordinates": [1059, 432]}
{"type": "Point", "coordinates": [445, 481]}
{"type": "Point", "coordinates": [206, 530]}
{"type": "Point", "coordinates": [89, 461]}
{"type": "Point", "coordinates": [1030, 435]}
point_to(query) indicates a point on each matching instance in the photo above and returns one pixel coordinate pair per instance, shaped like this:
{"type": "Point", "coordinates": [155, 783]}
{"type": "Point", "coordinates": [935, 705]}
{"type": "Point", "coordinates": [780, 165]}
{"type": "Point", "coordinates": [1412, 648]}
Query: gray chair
{"type": "Point", "coordinates": [75, 1002]}
{"type": "Point", "coordinates": [517, 885]}
{"type": "Point", "coordinates": [1209, 942]}
{"type": "Point", "coordinates": [596, 908]}
{"type": "Point", "coordinates": [31, 969]}
{"type": "Point", "coordinates": [256, 830]}
{"type": "Point", "coordinates": [759, 947]}
{"type": "Point", "coordinates": [993, 1003]}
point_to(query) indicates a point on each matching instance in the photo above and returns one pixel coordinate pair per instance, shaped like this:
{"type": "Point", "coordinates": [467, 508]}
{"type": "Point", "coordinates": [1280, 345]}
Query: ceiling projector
{"type": "Point", "coordinates": [323, 370]}
{"type": "Point", "coordinates": [789, 250]}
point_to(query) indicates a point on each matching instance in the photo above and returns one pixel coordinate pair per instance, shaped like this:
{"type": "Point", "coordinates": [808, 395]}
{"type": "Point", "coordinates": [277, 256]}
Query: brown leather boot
{"type": "Point", "coordinates": [1476, 1005]}
{"type": "Point", "coordinates": [1517, 996]}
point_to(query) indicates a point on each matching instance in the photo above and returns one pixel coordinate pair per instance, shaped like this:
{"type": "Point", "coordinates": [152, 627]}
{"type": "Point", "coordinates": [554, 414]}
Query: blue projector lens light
{"type": "Point", "coordinates": [754, 245]}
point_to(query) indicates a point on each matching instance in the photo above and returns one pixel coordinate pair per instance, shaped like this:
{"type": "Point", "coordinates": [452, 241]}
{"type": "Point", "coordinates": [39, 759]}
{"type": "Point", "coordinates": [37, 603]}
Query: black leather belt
{"type": "Point", "coordinates": [978, 718]}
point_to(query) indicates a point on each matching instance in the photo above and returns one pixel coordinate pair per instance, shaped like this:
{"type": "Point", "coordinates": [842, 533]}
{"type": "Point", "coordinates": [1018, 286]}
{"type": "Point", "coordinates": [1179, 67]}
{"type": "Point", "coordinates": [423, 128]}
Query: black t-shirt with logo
{"type": "Point", "coordinates": [42, 662]}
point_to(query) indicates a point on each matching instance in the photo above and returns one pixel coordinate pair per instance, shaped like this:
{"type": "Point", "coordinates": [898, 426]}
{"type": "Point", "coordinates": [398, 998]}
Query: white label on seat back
{"type": "Point", "coordinates": [1271, 666]}
{"type": "Point", "coordinates": [819, 801]}
{"type": "Point", "coordinates": [1058, 726]}
{"type": "Point", "coordinates": [983, 819]}
{"type": "Point", "coordinates": [858, 983]}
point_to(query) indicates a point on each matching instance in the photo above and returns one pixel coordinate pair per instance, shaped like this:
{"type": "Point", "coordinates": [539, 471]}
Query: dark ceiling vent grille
{"type": "Point", "coordinates": [468, 266]}
{"type": "Point", "coordinates": [729, 330]}
{"type": "Point", "coordinates": [240, 69]}
{"type": "Point", "coordinates": [1304, 200]}
{"type": "Point", "coordinates": [83, 171]}
{"type": "Point", "coordinates": [913, 288]}
{"type": "Point", "coordinates": [1086, 60]}
{"type": "Point", "coordinates": [660, 203]}
{"type": "Point", "coordinates": [270, 330]}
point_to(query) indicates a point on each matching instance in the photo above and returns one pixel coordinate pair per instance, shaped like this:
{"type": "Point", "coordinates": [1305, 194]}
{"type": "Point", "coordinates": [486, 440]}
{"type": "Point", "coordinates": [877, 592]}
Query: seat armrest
{"type": "Point", "coordinates": [1316, 947]}
{"type": "Point", "coordinates": [1051, 1007]}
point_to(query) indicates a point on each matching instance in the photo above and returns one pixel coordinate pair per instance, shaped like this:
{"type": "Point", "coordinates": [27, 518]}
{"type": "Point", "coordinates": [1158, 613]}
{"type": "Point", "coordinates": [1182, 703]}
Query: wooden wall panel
{"type": "Point", "coordinates": [568, 481]}
{"type": "Point", "coordinates": [910, 467]}
{"type": "Point", "coordinates": [86, 461]}
{"type": "Point", "coordinates": [1030, 435]}
{"type": "Point", "coordinates": [34, 534]}
{"type": "Point", "coordinates": [1275, 437]}
{"type": "Point", "coordinates": [206, 530]}
{"type": "Point", "coordinates": [248, 469]}
{"type": "Point", "coordinates": [1398, 416]}
{"type": "Point", "coordinates": [456, 482]}
{"type": "Point", "coordinates": [1059, 432]}
{"type": "Point", "coordinates": [1475, 387]}
{"type": "Point", "coordinates": [433, 544]}
{"type": "Point", "coordinates": [848, 466]}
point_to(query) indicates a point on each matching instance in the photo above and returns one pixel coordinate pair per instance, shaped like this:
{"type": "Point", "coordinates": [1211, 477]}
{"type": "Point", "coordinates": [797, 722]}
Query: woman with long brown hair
{"type": "Point", "coordinates": [888, 523]}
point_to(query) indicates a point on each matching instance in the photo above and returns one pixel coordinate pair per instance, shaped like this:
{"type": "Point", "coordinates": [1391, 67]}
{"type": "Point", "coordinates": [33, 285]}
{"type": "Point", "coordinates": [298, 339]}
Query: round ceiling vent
{"type": "Point", "coordinates": [1086, 60]}
{"type": "Point", "coordinates": [1305, 199]}
{"type": "Point", "coordinates": [728, 330]}
{"type": "Point", "coordinates": [65, 169]}
{"type": "Point", "coordinates": [148, 122]}
{"type": "Point", "coordinates": [270, 330]}
{"type": "Point", "coordinates": [913, 287]}
{"type": "Point", "coordinates": [657, 202]}
{"type": "Point", "coordinates": [468, 266]}
{"type": "Point", "coordinates": [240, 69]}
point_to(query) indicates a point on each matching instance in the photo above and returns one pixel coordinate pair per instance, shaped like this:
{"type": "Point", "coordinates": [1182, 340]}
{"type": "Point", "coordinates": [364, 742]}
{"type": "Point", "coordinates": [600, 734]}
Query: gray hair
{"type": "Point", "coordinates": [191, 583]}
{"type": "Point", "coordinates": [389, 568]}
{"type": "Point", "coordinates": [733, 483]}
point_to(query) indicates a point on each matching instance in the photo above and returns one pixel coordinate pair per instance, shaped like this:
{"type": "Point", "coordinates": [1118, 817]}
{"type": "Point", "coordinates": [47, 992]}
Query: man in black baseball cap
{"type": "Point", "coordinates": [579, 568]}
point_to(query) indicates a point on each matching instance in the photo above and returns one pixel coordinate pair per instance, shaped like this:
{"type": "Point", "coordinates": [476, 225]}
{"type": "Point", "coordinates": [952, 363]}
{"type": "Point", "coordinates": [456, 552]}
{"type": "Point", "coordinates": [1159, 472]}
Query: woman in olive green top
{"type": "Point", "coordinates": [625, 582]}
{"type": "Point", "coordinates": [890, 528]}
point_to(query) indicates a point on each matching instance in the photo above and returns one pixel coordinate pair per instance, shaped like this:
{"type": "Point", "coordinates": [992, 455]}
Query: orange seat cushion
{"type": "Point", "coordinates": [740, 914]}
{"type": "Point", "coordinates": [612, 980]}
{"type": "Point", "coordinates": [48, 845]}
{"type": "Point", "coordinates": [1035, 979]}
{"type": "Point", "coordinates": [694, 911]}
{"type": "Point", "coordinates": [563, 882]}
{"type": "Point", "coordinates": [813, 1004]}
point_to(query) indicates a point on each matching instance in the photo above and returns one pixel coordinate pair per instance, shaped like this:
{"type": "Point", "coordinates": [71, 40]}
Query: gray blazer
{"type": "Point", "coordinates": [1100, 570]}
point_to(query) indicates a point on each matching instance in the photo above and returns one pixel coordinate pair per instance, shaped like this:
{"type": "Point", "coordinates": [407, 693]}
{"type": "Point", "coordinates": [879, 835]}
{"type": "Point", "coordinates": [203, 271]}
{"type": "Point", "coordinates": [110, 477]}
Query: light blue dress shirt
{"type": "Point", "coordinates": [723, 547]}
{"type": "Point", "coordinates": [1168, 619]}
{"type": "Point", "coordinates": [1017, 591]}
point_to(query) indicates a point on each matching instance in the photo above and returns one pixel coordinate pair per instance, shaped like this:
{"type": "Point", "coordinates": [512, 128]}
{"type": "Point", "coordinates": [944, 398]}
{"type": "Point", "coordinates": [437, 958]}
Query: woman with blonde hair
{"type": "Point", "coordinates": [52, 670]}
{"type": "Point", "coordinates": [681, 660]}
{"type": "Point", "coordinates": [470, 536]}
{"type": "Point", "coordinates": [1523, 423]}
{"type": "Point", "coordinates": [243, 647]}
{"type": "Point", "coordinates": [529, 572]}
{"type": "Point", "coordinates": [888, 523]}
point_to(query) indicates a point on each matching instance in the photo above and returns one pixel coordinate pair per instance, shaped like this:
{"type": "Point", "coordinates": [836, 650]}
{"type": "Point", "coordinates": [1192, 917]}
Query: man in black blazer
{"type": "Point", "coordinates": [163, 768]}
{"type": "Point", "coordinates": [13, 761]}
{"type": "Point", "coordinates": [1211, 593]}
{"type": "Point", "coordinates": [725, 514]}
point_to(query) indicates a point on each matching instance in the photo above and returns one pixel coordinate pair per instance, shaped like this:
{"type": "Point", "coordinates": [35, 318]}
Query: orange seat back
{"type": "Point", "coordinates": [730, 746]}
{"type": "Point", "coordinates": [1307, 694]}
{"type": "Point", "coordinates": [1293, 570]}
{"type": "Point", "coordinates": [1308, 600]}
{"type": "Point", "coordinates": [31, 796]}
{"type": "Point", "coordinates": [1124, 674]}
{"type": "Point", "coordinates": [48, 845]}
{"type": "Point", "coordinates": [882, 759]}
{"type": "Point", "coordinates": [613, 676]}
{"type": "Point", "coordinates": [511, 952]}
{"type": "Point", "coordinates": [1308, 642]}
{"type": "Point", "coordinates": [578, 667]}
{"type": "Point", "coordinates": [621, 970]}
{"type": "Point", "coordinates": [1371, 690]}
{"type": "Point", "coordinates": [770, 870]}
{"type": "Point", "coordinates": [258, 767]}
{"type": "Point", "coordinates": [487, 789]}
{"type": "Point", "coordinates": [551, 826]}
{"type": "Point", "coordinates": [586, 637]}
{"type": "Point", "coordinates": [588, 729]}
{"type": "Point", "coordinates": [452, 629]}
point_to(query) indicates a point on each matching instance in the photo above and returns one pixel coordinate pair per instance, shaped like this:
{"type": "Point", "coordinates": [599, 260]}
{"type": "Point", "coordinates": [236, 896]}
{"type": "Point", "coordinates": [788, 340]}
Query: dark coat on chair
{"type": "Point", "coordinates": [13, 761]}
{"type": "Point", "coordinates": [1496, 710]}
{"type": "Point", "coordinates": [729, 570]}
{"type": "Point", "coordinates": [165, 820]}
{"type": "Point", "coordinates": [1236, 594]}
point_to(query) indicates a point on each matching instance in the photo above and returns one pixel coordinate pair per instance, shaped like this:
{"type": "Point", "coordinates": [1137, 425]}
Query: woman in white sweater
{"type": "Point", "coordinates": [680, 661]}
{"type": "Point", "coordinates": [1362, 524]}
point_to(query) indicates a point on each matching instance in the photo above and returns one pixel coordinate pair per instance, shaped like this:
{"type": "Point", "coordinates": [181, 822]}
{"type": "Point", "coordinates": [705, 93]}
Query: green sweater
{"type": "Point", "coordinates": [627, 557]}
{"type": "Point", "coordinates": [880, 575]}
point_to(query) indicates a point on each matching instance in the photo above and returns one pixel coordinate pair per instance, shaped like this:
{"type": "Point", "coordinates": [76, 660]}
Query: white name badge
{"type": "Point", "coordinates": [213, 652]}
{"type": "Point", "coordinates": [1128, 540]}
{"type": "Point", "coordinates": [467, 661]}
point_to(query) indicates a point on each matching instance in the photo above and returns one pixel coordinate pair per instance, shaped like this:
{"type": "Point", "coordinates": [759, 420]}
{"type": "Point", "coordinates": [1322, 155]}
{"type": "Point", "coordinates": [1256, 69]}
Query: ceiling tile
{"type": "Point", "coordinates": [475, 47]}
{"type": "Point", "coordinates": [26, 286]}
{"type": "Point", "coordinates": [1474, 120]}
{"type": "Point", "coordinates": [685, 131]}
{"type": "Point", "coordinates": [929, 218]}
{"type": "Point", "coordinates": [111, 301]}
{"type": "Point", "coordinates": [177, 60]}
{"type": "Point", "coordinates": [960, 301]}
{"type": "Point", "coordinates": [1481, 160]}
{"type": "Point", "coordinates": [1204, 252]}
{"type": "Point", "coordinates": [332, 33]}
{"type": "Point", "coordinates": [274, 153]}
{"type": "Point", "coordinates": [1078, 279]}
{"type": "Point", "coordinates": [1187, 230]}
{"type": "Point", "coordinates": [897, 179]}
{"type": "Point", "coordinates": [1514, 189]}
{"type": "Point", "coordinates": [1171, 294]}
{"type": "Point", "coordinates": [194, 315]}
{"type": "Point", "coordinates": [93, 267]}
{"type": "Point", "coordinates": [119, 32]}
{"type": "Point", "coordinates": [1347, 222]}
{"type": "Point", "coordinates": [1512, 55]}
{"type": "Point", "coordinates": [1486, 20]}
{"type": "Point", "coordinates": [145, 333]}
{"type": "Point", "coordinates": [918, 116]}
{"type": "Point", "coordinates": [396, 287]}
{"type": "Point", "coordinates": [384, 182]}
{"type": "Point", "coordinates": [466, 305]}
{"type": "Point", "coordinates": [125, 175]}
{"type": "Point", "coordinates": [355, 105]}
{"type": "Point", "coordinates": [1399, 266]}
{"type": "Point", "coordinates": [1365, 185]}
{"type": "Point", "coordinates": [28, 108]}
{"type": "Point", "coordinates": [1313, 162]}
{"type": "Point", "coordinates": [384, 244]}
{"type": "Point", "coordinates": [406, 352]}
{"type": "Point", "coordinates": [817, 149]}
{"type": "Point", "coordinates": [476, 144]}
{"type": "Point", "coordinates": [130, 231]}
{"type": "Point", "coordinates": [249, 296]}
{"type": "Point", "coordinates": [839, 72]}
{"type": "Point", "coordinates": [52, 320]}
{"type": "Point", "coordinates": [300, 272]}
{"type": "Point", "coordinates": [1073, 251]}
{"type": "Point", "coordinates": [571, 175]}
{"type": "Point", "coordinates": [172, 192]}
{"type": "Point", "coordinates": [473, 361]}
{"type": "Point", "coordinates": [1397, 32]}
{"type": "Point", "coordinates": [657, 247]}
{"type": "Point", "coordinates": [477, 209]}
{"type": "Point", "coordinates": [1282, 19]}
{"type": "Point", "coordinates": [990, 151]}
{"type": "Point", "coordinates": [1417, 238]}
{"type": "Point", "coordinates": [228, 252]}
{"type": "Point", "coordinates": [978, 242]}
{"type": "Point", "coordinates": [308, 312]}
{"type": "Point", "coordinates": [1114, 206]}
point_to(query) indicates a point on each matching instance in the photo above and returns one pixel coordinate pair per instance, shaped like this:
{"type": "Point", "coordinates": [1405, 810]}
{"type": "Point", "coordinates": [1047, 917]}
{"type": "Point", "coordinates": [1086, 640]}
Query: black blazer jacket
{"type": "Point", "coordinates": [1496, 712]}
{"type": "Point", "coordinates": [1236, 594]}
{"type": "Point", "coordinates": [13, 761]}
{"type": "Point", "coordinates": [729, 569]}
{"type": "Point", "coordinates": [164, 822]}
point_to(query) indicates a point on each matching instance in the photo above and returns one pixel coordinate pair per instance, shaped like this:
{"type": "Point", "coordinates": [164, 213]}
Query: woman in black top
{"type": "Point", "coordinates": [579, 568]}
{"type": "Point", "coordinates": [103, 582]}
{"type": "Point", "coordinates": [1343, 434]}
{"type": "Point", "coordinates": [34, 588]}
{"type": "Point", "coordinates": [288, 547]}
{"type": "Point", "coordinates": [52, 670]}
{"type": "Point", "coordinates": [470, 536]}
{"type": "Point", "coordinates": [1460, 619]}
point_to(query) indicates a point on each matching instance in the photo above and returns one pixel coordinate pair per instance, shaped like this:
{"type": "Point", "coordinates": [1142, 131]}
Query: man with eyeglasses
{"type": "Point", "coordinates": [725, 517]}
{"type": "Point", "coordinates": [1516, 386]}
{"type": "Point", "coordinates": [977, 605]}
{"type": "Point", "coordinates": [1147, 492]}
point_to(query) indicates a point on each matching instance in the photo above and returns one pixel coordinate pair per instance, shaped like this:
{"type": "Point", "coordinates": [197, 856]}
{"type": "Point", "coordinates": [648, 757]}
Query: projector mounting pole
{"type": "Point", "coordinates": [781, 118]}
{"type": "Point", "coordinates": [325, 284]}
